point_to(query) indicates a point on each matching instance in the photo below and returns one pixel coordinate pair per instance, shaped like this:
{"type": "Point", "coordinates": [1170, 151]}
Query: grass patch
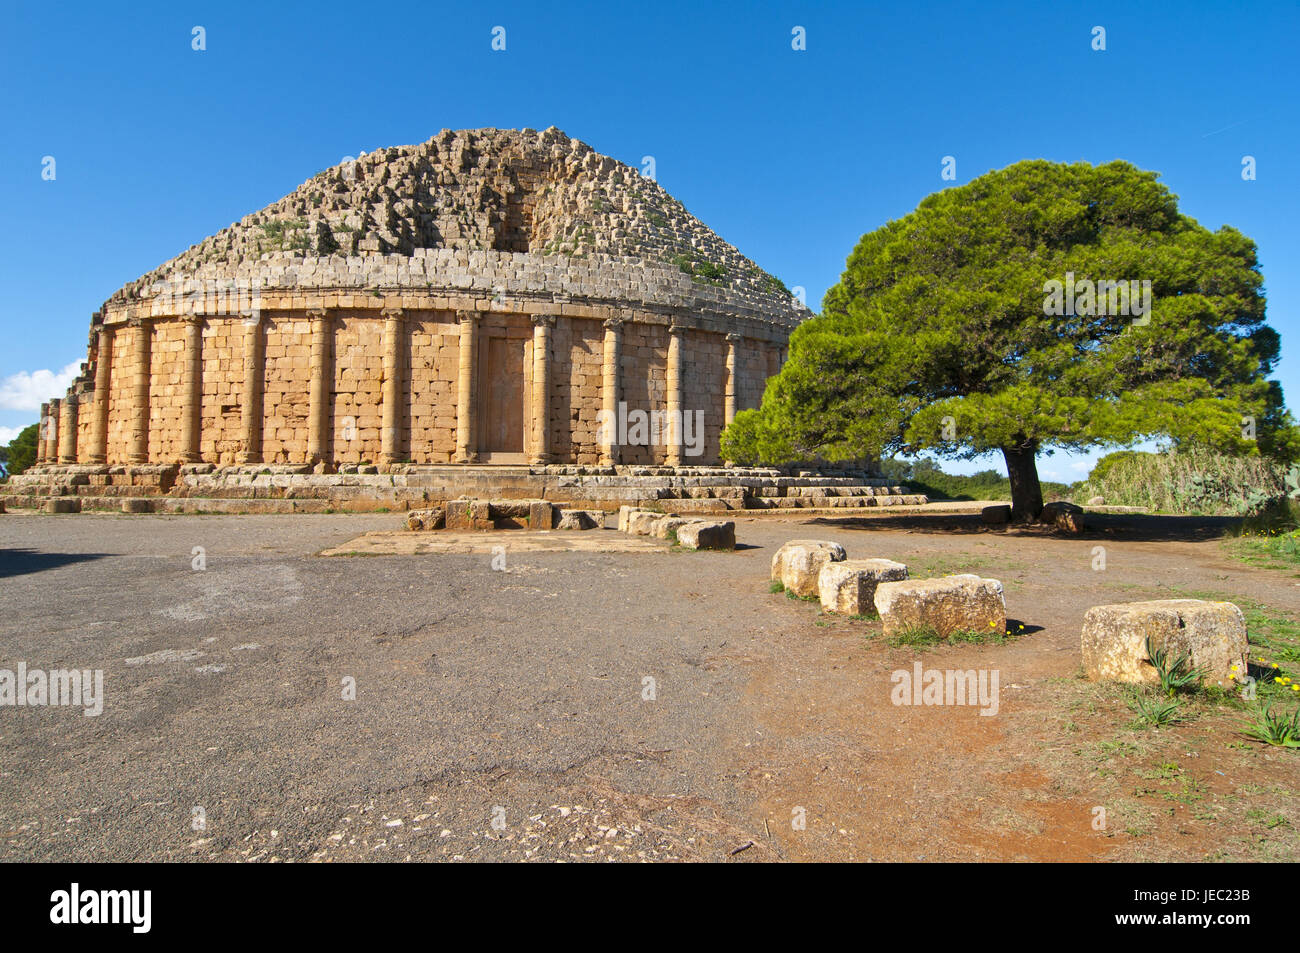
{"type": "Point", "coordinates": [928, 635]}
{"type": "Point", "coordinates": [776, 586]}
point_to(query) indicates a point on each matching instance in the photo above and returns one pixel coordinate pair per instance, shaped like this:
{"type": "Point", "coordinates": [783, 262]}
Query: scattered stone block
{"type": "Point", "coordinates": [642, 522]}
{"type": "Point", "coordinates": [963, 603]}
{"type": "Point", "coordinates": [668, 525]}
{"type": "Point", "coordinates": [849, 587]}
{"type": "Point", "coordinates": [63, 504]}
{"type": "Point", "coordinates": [625, 516]}
{"type": "Point", "coordinates": [581, 519]}
{"type": "Point", "coordinates": [707, 534]}
{"type": "Point", "coordinates": [797, 564]}
{"type": "Point", "coordinates": [541, 515]}
{"type": "Point", "coordinates": [1066, 516]}
{"type": "Point", "coordinates": [137, 505]}
{"type": "Point", "coordinates": [423, 520]}
{"type": "Point", "coordinates": [1213, 634]}
{"type": "Point", "coordinates": [993, 515]}
{"type": "Point", "coordinates": [469, 515]}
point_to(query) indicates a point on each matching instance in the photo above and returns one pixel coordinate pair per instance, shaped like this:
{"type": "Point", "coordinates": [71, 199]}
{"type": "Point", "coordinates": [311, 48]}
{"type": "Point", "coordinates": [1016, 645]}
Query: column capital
{"type": "Point", "coordinates": [317, 313]}
{"type": "Point", "coordinates": [193, 318]}
{"type": "Point", "coordinates": [138, 320]}
{"type": "Point", "coordinates": [544, 320]}
{"type": "Point", "coordinates": [393, 314]}
{"type": "Point", "coordinates": [677, 329]}
{"type": "Point", "coordinates": [615, 324]}
{"type": "Point", "coordinates": [734, 337]}
{"type": "Point", "coordinates": [464, 315]}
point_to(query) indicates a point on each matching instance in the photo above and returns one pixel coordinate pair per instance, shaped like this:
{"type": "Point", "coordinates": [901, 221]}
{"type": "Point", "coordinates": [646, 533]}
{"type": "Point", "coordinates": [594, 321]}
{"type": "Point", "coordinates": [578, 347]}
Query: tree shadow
{"type": "Point", "coordinates": [1138, 527]}
{"type": "Point", "coordinates": [22, 562]}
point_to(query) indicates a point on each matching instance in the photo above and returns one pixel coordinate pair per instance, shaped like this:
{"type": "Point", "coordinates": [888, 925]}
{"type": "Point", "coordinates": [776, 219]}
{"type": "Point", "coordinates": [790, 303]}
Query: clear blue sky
{"type": "Point", "coordinates": [791, 156]}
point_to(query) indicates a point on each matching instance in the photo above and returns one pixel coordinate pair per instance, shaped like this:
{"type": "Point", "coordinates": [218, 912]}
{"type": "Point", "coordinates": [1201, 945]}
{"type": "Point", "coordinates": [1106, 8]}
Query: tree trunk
{"type": "Point", "coordinates": [1026, 492]}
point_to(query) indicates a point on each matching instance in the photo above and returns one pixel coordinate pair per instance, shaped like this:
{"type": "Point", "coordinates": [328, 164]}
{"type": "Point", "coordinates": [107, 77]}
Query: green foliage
{"type": "Point", "coordinates": [21, 451]}
{"type": "Point", "coordinates": [1192, 480]}
{"type": "Point", "coordinates": [697, 268]}
{"type": "Point", "coordinates": [1155, 713]}
{"type": "Point", "coordinates": [936, 337]}
{"type": "Point", "coordinates": [1273, 729]}
{"type": "Point", "coordinates": [1176, 674]}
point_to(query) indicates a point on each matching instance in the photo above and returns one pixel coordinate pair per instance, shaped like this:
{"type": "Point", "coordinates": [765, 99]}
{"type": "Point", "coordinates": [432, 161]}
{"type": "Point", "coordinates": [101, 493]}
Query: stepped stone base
{"type": "Point", "coordinates": [187, 488]}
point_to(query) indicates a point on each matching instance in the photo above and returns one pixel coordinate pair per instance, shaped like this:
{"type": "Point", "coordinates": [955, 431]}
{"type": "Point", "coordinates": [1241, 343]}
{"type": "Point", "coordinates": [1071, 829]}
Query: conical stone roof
{"type": "Point", "coordinates": [513, 211]}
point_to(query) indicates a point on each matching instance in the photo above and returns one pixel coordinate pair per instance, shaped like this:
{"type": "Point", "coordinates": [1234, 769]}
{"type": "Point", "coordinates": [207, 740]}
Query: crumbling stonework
{"type": "Point", "coordinates": [489, 296]}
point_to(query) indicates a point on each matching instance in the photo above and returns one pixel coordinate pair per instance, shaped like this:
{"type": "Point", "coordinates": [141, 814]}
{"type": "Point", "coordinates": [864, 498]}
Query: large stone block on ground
{"type": "Point", "coordinates": [797, 564]}
{"type": "Point", "coordinates": [707, 534]}
{"type": "Point", "coordinates": [642, 522]}
{"type": "Point", "coordinates": [63, 504]}
{"type": "Point", "coordinates": [469, 515]}
{"type": "Point", "coordinates": [625, 514]}
{"type": "Point", "coordinates": [666, 526]}
{"type": "Point", "coordinates": [430, 519]}
{"type": "Point", "coordinates": [993, 515]}
{"type": "Point", "coordinates": [541, 515]}
{"type": "Point", "coordinates": [849, 587]}
{"type": "Point", "coordinates": [964, 603]}
{"type": "Point", "coordinates": [581, 519]}
{"type": "Point", "coordinates": [1212, 633]}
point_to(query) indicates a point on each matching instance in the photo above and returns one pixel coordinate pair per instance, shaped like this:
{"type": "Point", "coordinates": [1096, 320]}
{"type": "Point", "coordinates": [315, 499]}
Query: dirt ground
{"type": "Point", "coordinates": [519, 693]}
{"type": "Point", "coordinates": [887, 782]}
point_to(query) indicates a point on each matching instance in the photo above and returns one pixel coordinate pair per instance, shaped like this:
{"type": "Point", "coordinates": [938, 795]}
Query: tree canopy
{"type": "Point", "coordinates": [20, 452]}
{"type": "Point", "coordinates": [1008, 314]}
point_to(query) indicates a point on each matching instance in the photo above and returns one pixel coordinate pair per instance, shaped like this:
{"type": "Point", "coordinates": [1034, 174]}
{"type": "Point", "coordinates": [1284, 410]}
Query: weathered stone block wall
{"type": "Point", "coordinates": [704, 379]}
{"type": "Point", "coordinates": [357, 389]}
{"type": "Point", "coordinates": [166, 400]}
{"type": "Point", "coordinates": [429, 369]}
{"type": "Point", "coordinates": [120, 395]}
{"type": "Point", "coordinates": [578, 349]}
{"type": "Point", "coordinates": [223, 376]}
{"type": "Point", "coordinates": [287, 387]}
{"type": "Point", "coordinates": [644, 369]}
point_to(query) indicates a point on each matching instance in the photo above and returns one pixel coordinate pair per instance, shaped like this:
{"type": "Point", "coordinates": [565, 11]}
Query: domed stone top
{"type": "Point", "coordinates": [511, 212]}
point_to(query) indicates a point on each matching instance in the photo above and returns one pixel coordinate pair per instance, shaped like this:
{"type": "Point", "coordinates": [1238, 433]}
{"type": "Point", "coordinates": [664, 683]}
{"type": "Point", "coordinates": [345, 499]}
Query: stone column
{"type": "Point", "coordinates": [51, 434]}
{"type": "Point", "coordinates": [140, 372]}
{"type": "Point", "coordinates": [98, 452]}
{"type": "Point", "coordinates": [322, 373]}
{"type": "Point", "coordinates": [389, 436]}
{"type": "Point", "coordinates": [729, 398]}
{"type": "Point", "coordinates": [192, 391]}
{"type": "Point", "coordinates": [674, 383]}
{"type": "Point", "coordinates": [250, 431]}
{"type": "Point", "coordinates": [68, 430]}
{"type": "Point", "coordinates": [542, 324]}
{"type": "Point", "coordinates": [42, 432]}
{"type": "Point", "coordinates": [467, 389]}
{"type": "Point", "coordinates": [611, 379]}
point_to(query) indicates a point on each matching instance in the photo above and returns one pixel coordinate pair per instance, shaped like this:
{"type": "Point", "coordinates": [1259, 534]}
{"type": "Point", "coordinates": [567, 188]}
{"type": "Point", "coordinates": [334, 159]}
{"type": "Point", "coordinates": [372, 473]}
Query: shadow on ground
{"type": "Point", "coordinates": [1128, 526]}
{"type": "Point", "coordinates": [22, 562]}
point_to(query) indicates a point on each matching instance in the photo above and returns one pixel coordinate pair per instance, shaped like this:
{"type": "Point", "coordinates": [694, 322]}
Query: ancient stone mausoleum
{"type": "Point", "coordinates": [489, 298]}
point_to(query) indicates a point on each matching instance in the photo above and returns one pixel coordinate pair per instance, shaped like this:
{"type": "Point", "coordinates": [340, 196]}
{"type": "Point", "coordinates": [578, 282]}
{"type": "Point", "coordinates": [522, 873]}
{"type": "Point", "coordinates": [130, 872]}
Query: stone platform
{"type": "Point", "coordinates": [194, 488]}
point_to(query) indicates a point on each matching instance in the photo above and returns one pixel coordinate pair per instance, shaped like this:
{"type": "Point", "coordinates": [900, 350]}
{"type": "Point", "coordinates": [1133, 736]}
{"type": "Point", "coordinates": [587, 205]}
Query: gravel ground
{"type": "Point", "coordinates": [501, 715]}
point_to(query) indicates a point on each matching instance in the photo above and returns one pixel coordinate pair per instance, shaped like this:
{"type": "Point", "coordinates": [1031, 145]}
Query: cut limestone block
{"type": "Point", "coordinates": [541, 515]}
{"type": "Point", "coordinates": [581, 519]}
{"type": "Point", "coordinates": [430, 519]}
{"type": "Point", "coordinates": [849, 587]}
{"type": "Point", "coordinates": [1212, 633]}
{"type": "Point", "coordinates": [469, 515]}
{"type": "Point", "coordinates": [993, 515]}
{"type": "Point", "coordinates": [668, 525]}
{"type": "Point", "coordinates": [625, 514]}
{"type": "Point", "coordinates": [797, 564]}
{"type": "Point", "coordinates": [707, 534]}
{"type": "Point", "coordinates": [63, 504]}
{"type": "Point", "coordinates": [964, 603]}
{"type": "Point", "coordinates": [135, 504]}
{"type": "Point", "coordinates": [642, 522]}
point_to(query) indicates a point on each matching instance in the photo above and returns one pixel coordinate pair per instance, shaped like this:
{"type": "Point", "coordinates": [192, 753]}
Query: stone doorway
{"type": "Point", "coordinates": [501, 399]}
